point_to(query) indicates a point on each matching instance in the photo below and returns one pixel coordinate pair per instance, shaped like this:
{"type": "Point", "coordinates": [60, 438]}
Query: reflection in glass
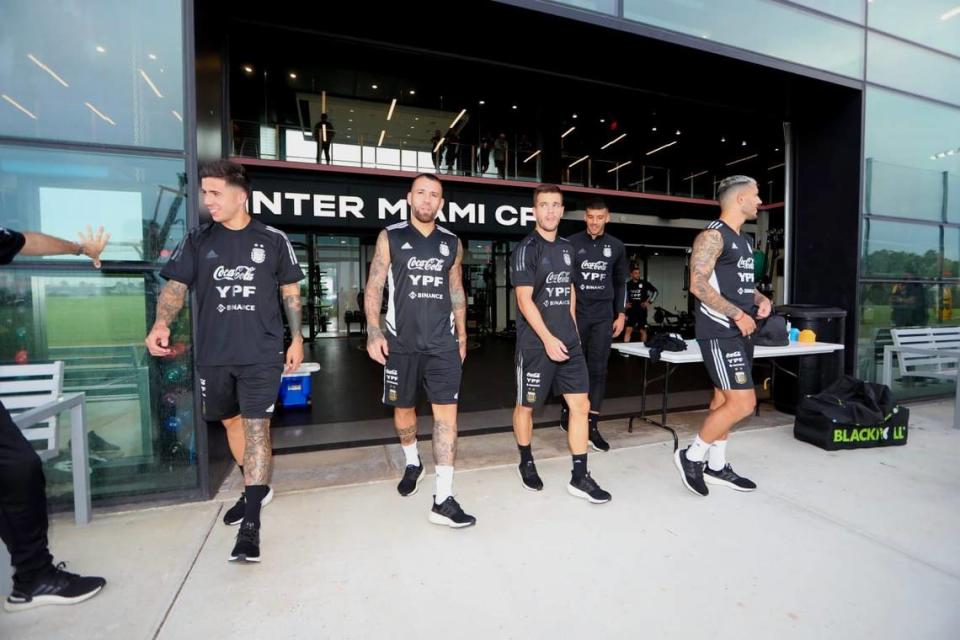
{"type": "Point", "coordinates": [140, 201]}
{"type": "Point", "coordinates": [108, 72]}
{"type": "Point", "coordinates": [894, 64]}
{"type": "Point", "coordinates": [933, 23]}
{"type": "Point", "coordinates": [894, 249]}
{"type": "Point", "coordinates": [139, 409]}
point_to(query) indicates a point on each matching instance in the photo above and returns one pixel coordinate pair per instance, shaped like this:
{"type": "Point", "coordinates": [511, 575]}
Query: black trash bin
{"type": "Point", "coordinates": [797, 376]}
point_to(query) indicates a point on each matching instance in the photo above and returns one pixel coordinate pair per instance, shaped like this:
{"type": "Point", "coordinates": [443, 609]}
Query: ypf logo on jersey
{"type": "Point", "coordinates": [444, 249]}
{"type": "Point", "coordinates": [258, 254]}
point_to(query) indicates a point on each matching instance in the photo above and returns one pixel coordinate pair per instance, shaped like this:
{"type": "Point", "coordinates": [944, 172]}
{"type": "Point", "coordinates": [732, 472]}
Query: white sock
{"type": "Point", "coordinates": [718, 455]}
{"type": "Point", "coordinates": [697, 450]}
{"type": "Point", "coordinates": [411, 453]}
{"type": "Point", "coordinates": [444, 483]}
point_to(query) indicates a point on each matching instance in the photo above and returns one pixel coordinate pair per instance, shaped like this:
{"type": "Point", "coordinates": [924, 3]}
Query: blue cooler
{"type": "Point", "coordinates": [295, 387]}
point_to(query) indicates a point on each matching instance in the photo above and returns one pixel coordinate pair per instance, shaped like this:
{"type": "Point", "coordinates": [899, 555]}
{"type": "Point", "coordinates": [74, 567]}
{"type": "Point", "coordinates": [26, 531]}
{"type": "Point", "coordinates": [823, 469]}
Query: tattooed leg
{"type": "Point", "coordinates": [257, 452]}
{"type": "Point", "coordinates": [405, 422]}
{"type": "Point", "coordinates": [444, 434]}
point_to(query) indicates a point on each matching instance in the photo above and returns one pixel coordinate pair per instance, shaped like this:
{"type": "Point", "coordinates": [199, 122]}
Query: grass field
{"type": "Point", "coordinates": [95, 320]}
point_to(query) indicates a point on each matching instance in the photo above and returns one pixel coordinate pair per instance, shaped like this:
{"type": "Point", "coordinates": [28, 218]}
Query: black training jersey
{"type": "Point", "coordinates": [419, 310]}
{"type": "Point", "coordinates": [547, 267]}
{"type": "Point", "coordinates": [11, 243]}
{"type": "Point", "coordinates": [733, 277]}
{"type": "Point", "coordinates": [236, 275]}
{"type": "Point", "coordinates": [639, 292]}
{"type": "Point", "coordinates": [600, 274]}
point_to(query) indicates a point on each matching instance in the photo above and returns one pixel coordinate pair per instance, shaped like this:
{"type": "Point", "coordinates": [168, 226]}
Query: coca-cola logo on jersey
{"type": "Point", "coordinates": [745, 263]}
{"type": "Point", "coordinates": [237, 273]}
{"type": "Point", "coordinates": [430, 264]}
{"type": "Point", "coordinates": [558, 277]}
{"type": "Point", "coordinates": [599, 265]}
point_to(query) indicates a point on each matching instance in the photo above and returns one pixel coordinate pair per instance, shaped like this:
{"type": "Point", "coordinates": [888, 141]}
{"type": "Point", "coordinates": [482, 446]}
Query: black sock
{"type": "Point", "coordinates": [254, 494]}
{"type": "Point", "coordinates": [526, 453]}
{"type": "Point", "coordinates": [592, 419]}
{"type": "Point", "coordinates": [579, 466]}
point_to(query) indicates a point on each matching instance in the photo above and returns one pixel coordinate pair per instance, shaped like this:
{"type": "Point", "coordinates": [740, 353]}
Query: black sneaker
{"type": "Point", "coordinates": [410, 482]}
{"type": "Point", "coordinates": [55, 586]}
{"type": "Point", "coordinates": [564, 418]}
{"type": "Point", "coordinates": [529, 476]}
{"type": "Point", "coordinates": [728, 478]}
{"type": "Point", "coordinates": [450, 514]}
{"type": "Point", "coordinates": [596, 440]}
{"type": "Point", "coordinates": [234, 514]}
{"type": "Point", "coordinates": [691, 473]}
{"type": "Point", "coordinates": [247, 548]}
{"type": "Point", "coordinates": [587, 487]}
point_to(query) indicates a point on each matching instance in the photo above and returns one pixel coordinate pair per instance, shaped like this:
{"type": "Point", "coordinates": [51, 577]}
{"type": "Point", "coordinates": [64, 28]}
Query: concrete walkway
{"type": "Point", "coordinates": [858, 544]}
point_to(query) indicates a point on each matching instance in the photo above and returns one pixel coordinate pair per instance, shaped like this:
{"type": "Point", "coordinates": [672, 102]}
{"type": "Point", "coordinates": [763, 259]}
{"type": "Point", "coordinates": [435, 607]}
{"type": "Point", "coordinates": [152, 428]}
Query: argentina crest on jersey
{"type": "Point", "coordinates": [566, 258]}
{"type": "Point", "coordinates": [444, 249]}
{"type": "Point", "coordinates": [258, 254]}
{"type": "Point", "coordinates": [607, 251]}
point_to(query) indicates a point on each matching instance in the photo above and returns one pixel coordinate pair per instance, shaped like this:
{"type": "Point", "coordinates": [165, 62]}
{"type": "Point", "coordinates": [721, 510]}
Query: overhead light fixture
{"type": "Point", "coordinates": [574, 116]}
{"type": "Point", "coordinates": [620, 166]}
{"type": "Point", "coordinates": [412, 127]}
{"type": "Point", "coordinates": [323, 132]}
{"type": "Point", "coordinates": [457, 119]}
{"type": "Point", "coordinates": [293, 76]}
{"type": "Point", "coordinates": [776, 149]}
{"type": "Point", "coordinates": [152, 56]}
{"type": "Point", "coordinates": [373, 86]}
{"type": "Point", "coordinates": [99, 113]}
{"type": "Point", "coordinates": [100, 49]}
{"type": "Point", "coordinates": [393, 104]}
{"type": "Point", "coordinates": [576, 162]}
{"type": "Point", "coordinates": [176, 115]}
{"type": "Point", "coordinates": [776, 166]}
{"type": "Point", "coordinates": [17, 105]}
{"type": "Point", "coordinates": [750, 157]}
{"type": "Point", "coordinates": [661, 148]}
{"type": "Point", "coordinates": [952, 13]}
{"type": "Point", "coordinates": [696, 175]}
{"type": "Point", "coordinates": [146, 78]}
{"type": "Point", "coordinates": [614, 141]}
{"type": "Point", "coordinates": [482, 102]}
{"type": "Point", "coordinates": [50, 71]}
{"type": "Point", "coordinates": [602, 120]}
{"type": "Point", "coordinates": [416, 118]}
{"type": "Point", "coordinates": [678, 132]}
{"type": "Point", "coordinates": [248, 68]}
{"type": "Point", "coordinates": [413, 92]}
{"type": "Point", "coordinates": [439, 143]}
{"type": "Point", "coordinates": [723, 139]}
{"type": "Point", "coordinates": [743, 144]}
{"type": "Point", "coordinates": [514, 107]}
{"type": "Point", "coordinates": [532, 156]}
{"type": "Point", "coordinates": [567, 132]}
{"type": "Point", "coordinates": [383, 133]}
{"type": "Point", "coordinates": [653, 128]}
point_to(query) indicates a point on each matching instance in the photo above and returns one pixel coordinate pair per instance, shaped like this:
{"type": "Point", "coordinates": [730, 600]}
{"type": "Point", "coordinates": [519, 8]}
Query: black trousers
{"type": "Point", "coordinates": [23, 502]}
{"type": "Point", "coordinates": [596, 334]}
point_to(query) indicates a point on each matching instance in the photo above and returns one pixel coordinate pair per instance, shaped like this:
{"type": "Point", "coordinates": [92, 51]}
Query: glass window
{"type": "Point", "coordinates": [139, 409]}
{"type": "Point", "coordinates": [902, 250]}
{"type": "Point", "coordinates": [904, 66]}
{"type": "Point", "coordinates": [600, 6]}
{"type": "Point", "coordinates": [910, 156]}
{"type": "Point", "coordinates": [108, 72]}
{"type": "Point", "coordinates": [765, 27]}
{"type": "Point", "coordinates": [934, 23]}
{"type": "Point", "coordinates": [140, 201]}
{"type": "Point", "coordinates": [847, 9]}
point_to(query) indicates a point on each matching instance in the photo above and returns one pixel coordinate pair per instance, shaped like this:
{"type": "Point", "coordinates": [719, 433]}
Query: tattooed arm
{"type": "Point", "coordinates": [169, 303]}
{"type": "Point", "coordinates": [373, 298]}
{"type": "Point", "coordinates": [764, 304]}
{"type": "Point", "coordinates": [459, 301]}
{"type": "Point", "coordinates": [706, 249]}
{"type": "Point", "coordinates": [292, 307]}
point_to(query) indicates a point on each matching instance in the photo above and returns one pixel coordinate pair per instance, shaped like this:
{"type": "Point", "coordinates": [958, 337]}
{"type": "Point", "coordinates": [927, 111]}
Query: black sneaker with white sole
{"type": "Point", "coordinates": [410, 482]}
{"type": "Point", "coordinates": [597, 443]}
{"type": "Point", "coordinates": [449, 513]}
{"type": "Point", "coordinates": [247, 547]}
{"type": "Point", "coordinates": [529, 476]}
{"type": "Point", "coordinates": [564, 418]}
{"type": "Point", "coordinates": [586, 487]}
{"type": "Point", "coordinates": [728, 478]}
{"type": "Point", "coordinates": [691, 473]}
{"type": "Point", "coordinates": [54, 586]}
{"type": "Point", "coordinates": [234, 514]}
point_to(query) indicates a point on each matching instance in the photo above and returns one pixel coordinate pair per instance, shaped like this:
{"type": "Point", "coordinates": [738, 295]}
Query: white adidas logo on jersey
{"type": "Point", "coordinates": [406, 245]}
{"type": "Point", "coordinates": [733, 246]}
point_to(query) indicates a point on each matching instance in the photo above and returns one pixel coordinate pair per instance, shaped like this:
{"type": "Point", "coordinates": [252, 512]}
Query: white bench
{"type": "Point", "coordinates": [925, 352]}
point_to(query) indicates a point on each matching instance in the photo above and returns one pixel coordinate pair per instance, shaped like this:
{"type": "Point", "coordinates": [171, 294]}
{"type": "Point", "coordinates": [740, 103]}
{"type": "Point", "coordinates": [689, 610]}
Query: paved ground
{"type": "Point", "coordinates": [859, 544]}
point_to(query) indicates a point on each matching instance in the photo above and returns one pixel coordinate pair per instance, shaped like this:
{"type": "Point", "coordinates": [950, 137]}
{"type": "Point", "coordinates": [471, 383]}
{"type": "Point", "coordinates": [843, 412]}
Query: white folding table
{"type": "Point", "coordinates": [672, 359]}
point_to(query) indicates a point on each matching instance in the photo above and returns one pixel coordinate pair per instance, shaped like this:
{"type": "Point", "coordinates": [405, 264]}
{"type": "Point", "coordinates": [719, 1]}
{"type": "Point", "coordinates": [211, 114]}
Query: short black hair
{"type": "Point", "coordinates": [230, 172]}
{"type": "Point", "coordinates": [545, 188]}
{"type": "Point", "coordinates": [428, 176]}
{"type": "Point", "coordinates": [596, 203]}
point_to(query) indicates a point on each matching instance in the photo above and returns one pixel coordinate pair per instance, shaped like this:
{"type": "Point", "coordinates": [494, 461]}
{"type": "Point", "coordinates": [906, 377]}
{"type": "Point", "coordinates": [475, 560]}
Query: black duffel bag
{"type": "Point", "coordinates": [852, 414]}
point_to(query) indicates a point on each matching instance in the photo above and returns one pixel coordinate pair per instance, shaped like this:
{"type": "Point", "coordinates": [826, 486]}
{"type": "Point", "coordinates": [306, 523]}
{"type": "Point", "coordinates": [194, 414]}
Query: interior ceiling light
{"type": "Point", "coordinates": [574, 116]}
{"type": "Point", "coordinates": [176, 115]}
{"type": "Point", "coordinates": [532, 156]}
{"type": "Point", "coordinates": [413, 92]}
{"type": "Point", "coordinates": [50, 71]}
{"type": "Point", "coordinates": [653, 128]}
{"type": "Point", "coordinates": [152, 56]}
{"type": "Point", "coordinates": [514, 107]}
{"type": "Point", "coordinates": [293, 76]}
{"type": "Point", "coordinates": [248, 68]}
{"type": "Point", "coordinates": [744, 159]}
{"type": "Point", "coordinates": [567, 132]}
{"type": "Point", "coordinates": [952, 13]}
{"type": "Point", "coordinates": [457, 119]}
{"type": "Point", "coordinates": [678, 132]}
{"type": "Point", "coordinates": [576, 162]}
{"type": "Point", "coordinates": [17, 105]}
{"type": "Point", "coordinates": [614, 141]}
{"type": "Point", "coordinates": [439, 144]}
{"type": "Point", "coordinates": [100, 49]}
{"type": "Point", "coordinates": [99, 113]}
{"type": "Point", "coordinates": [620, 166]}
{"type": "Point", "coordinates": [393, 105]}
{"type": "Point", "coordinates": [383, 133]}
{"type": "Point", "coordinates": [483, 102]}
{"type": "Point", "coordinates": [661, 148]}
{"type": "Point", "coordinates": [695, 175]}
{"type": "Point", "coordinates": [776, 166]}
{"type": "Point", "coordinates": [146, 78]}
